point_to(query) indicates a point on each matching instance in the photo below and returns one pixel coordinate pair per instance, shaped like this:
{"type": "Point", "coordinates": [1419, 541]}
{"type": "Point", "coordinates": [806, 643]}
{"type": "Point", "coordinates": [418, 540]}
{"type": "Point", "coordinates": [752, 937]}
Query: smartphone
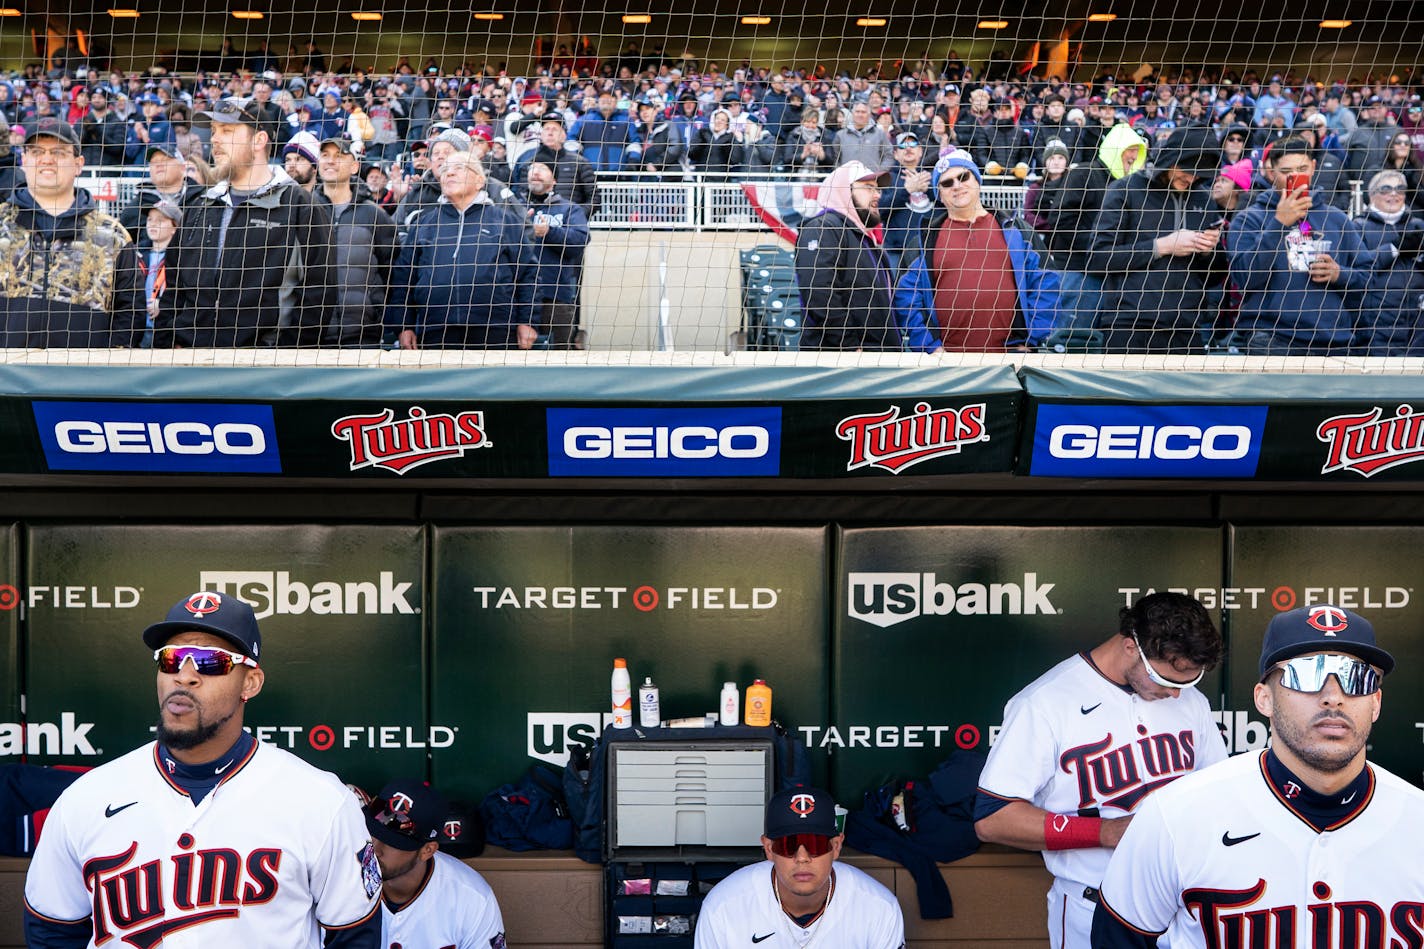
{"type": "Point", "coordinates": [1297, 182]}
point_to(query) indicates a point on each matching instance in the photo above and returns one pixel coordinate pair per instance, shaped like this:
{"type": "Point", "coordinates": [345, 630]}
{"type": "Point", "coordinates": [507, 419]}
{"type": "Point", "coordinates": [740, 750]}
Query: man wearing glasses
{"type": "Point", "coordinates": [1087, 742]}
{"type": "Point", "coordinates": [1304, 843]}
{"type": "Point", "coordinates": [799, 891]}
{"type": "Point", "coordinates": [69, 270]}
{"type": "Point", "coordinates": [205, 832]}
{"type": "Point", "coordinates": [428, 898]}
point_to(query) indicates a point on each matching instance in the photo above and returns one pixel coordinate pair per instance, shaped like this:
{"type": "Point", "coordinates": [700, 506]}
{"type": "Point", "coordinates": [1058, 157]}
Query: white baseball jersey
{"type": "Point", "coordinates": [1223, 859]}
{"type": "Point", "coordinates": [1074, 739]}
{"type": "Point", "coordinates": [743, 910]}
{"type": "Point", "coordinates": [275, 850]}
{"type": "Point", "coordinates": [455, 909]}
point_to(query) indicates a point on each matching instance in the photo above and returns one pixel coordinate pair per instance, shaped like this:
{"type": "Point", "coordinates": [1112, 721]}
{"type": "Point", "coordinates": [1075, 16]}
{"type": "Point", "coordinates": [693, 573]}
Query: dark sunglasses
{"type": "Point", "coordinates": [949, 181]}
{"type": "Point", "coordinates": [1310, 673]}
{"type": "Point", "coordinates": [817, 845]}
{"type": "Point", "coordinates": [208, 660]}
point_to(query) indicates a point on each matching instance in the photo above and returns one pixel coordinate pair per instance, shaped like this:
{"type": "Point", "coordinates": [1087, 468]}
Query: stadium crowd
{"type": "Point", "coordinates": [285, 204]}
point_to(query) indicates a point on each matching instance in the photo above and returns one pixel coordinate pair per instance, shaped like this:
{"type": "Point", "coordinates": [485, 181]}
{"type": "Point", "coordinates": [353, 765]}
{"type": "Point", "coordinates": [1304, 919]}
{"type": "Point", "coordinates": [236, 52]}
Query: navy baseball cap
{"type": "Point", "coordinates": [801, 810]}
{"type": "Point", "coordinates": [407, 814]}
{"type": "Point", "coordinates": [53, 128]}
{"type": "Point", "coordinates": [168, 148]}
{"type": "Point", "coordinates": [462, 833]}
{"type": "Point", "coordinates": [208, 612]}
{"type": "Point", "coordinates": [1322, 627]}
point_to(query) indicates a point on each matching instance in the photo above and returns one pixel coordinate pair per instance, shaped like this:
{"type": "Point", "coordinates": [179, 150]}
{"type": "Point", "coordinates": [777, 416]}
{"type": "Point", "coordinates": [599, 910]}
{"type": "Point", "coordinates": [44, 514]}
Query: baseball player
{"type": "Point", "coordinates": [205, 837]}
{"type": "Point", "coordinates": [799, 896]}
{"type": "Point", "coordinates": [429, 899]}
{"type": "Point", "coordinates": [1084, 744]}
{"type": "Point", "coordinates": [1305, 844]}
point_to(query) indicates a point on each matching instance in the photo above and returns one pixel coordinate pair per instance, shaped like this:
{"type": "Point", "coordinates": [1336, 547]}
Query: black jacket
{"type": "Point", "coordinates": [135, 215]}
{"type": "Point", "coordinates": [1069, 209]}
{"type": "Point", "coordinates": [1394, 311]}
{"type": "Point", "coordinates": [845, 283]}
{"type": "Point", "coordinates": [103, 140]}
{"type": "Point", "coordinates": [363, 241]}
{"type": "Point", "coordinates": [267, 284]}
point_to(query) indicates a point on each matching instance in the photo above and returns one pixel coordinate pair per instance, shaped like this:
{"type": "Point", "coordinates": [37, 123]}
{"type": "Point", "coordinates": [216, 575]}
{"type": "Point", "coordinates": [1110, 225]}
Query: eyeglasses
{"type": "Point", "coordinates": [1308, 674]}
{"type": "Point", "coordinates": [1390, 189]}
{"type": "Point", "coordinates": [949, 181]}
{"type": "Point", "coordinates": [388, 817]}
{"type": "Point", "coordinates": [817, 845]}
{"type": "Point", "coordinates": [207, 660]}
{"type": "Point", "coordinates": [58, 154]}
{"type": "Point", "coordinates": [1160, 679]}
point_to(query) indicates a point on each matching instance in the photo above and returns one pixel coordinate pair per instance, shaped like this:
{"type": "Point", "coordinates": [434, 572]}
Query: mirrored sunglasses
{"type": "Point", "coordinates": [382, 813]}
{"type": "Point", "coordinates": [817, 845]}
{"type": "Point", "coordinates": [1309, 674]}
{"type": "Point", "coordinates": [207, 660]}
{"type": "Point", "coordinates": [1160, 679]}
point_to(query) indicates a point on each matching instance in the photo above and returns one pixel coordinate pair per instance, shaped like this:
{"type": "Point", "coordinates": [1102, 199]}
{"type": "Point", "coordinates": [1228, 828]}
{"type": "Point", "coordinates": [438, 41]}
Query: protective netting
{"type": "Point", "coordinates": [1129, 183]}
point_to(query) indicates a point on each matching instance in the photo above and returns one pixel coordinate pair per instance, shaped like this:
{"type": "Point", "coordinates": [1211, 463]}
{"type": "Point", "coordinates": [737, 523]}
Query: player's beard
{"type": "Point", "coordinates": [1325, 757]}
{"type": "Point", "coordinates": [201, 733]}
{"type": "Point", "coordinates": [391, 871]}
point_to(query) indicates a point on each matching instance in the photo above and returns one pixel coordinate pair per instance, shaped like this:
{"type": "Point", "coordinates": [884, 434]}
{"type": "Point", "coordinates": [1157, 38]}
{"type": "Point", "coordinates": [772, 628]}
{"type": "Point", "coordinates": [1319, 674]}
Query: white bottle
{"type": "Point", "coordinates": [649, 715]}
{"type": "Point", "coordinates": [622, 695]}
{"type": "Point", "coordinates": [731, 703]}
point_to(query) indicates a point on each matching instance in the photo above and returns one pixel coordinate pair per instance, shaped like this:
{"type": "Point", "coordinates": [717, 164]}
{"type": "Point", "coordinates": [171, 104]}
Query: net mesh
{"type": "Point", "coordinates": [1122, 185]}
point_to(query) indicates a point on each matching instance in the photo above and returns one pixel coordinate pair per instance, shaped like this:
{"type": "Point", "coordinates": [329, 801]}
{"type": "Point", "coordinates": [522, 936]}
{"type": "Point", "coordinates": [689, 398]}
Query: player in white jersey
{"type": "Point", "coordinates": [430, 900]}
{"type": "Point", "coordinates": [800, 897]}
{"type": "Point", "coordinates": [1085, 744]}
{"type": "Point", "coordinates": [1303, 846]}
{"type": "Point", "coordinates": [205, 837]}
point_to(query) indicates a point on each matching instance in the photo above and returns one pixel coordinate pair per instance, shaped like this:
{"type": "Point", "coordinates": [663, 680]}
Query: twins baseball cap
{"type": "Point", "coordinates": [208, 612]}
{"type": "Point", "coordinates": [1314, 628]}
{"type": "Point", "coordinates": [53, 128]}
{"type": "Point", "coordinates": [462, 833]}
{"type": "Point", "coordinates": [406, 815]}
{"type": "Point", "coordinates": [801, 810]}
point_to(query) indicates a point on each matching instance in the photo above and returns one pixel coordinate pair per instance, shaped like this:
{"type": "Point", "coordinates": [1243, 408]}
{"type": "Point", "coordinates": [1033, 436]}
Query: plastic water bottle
{"type": "Point", "coordinates": [731, 706]}
{"type": "Point", "coordinates": [759, 703]}
{"type": "Point", "coordinates": [649, 715]}
{"type": "Point", "coordinates": [622, 695]}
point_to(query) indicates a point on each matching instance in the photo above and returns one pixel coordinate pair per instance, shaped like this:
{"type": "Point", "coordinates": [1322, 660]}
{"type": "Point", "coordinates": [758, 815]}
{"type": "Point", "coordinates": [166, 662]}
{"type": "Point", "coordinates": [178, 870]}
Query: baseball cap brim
{"type": "Point", "coordinates": [1374, 655]}
{"type": "Point", "coordinates": [159, 633]}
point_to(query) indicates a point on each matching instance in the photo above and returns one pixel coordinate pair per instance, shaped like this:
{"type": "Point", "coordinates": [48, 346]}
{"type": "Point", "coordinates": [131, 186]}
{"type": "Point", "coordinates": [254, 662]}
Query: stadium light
{"type": "Point", "coordinates": [871, 21]}
{"type": "Point", "coordinates": [367, 15]}
{"type": "Point", "coordinates": [993, 24]}
{"type": "Point", "coordinates": [1335, 24]}
{"type": "Point", "coordinates": [123, 13]}
{"type": "Point", "coordinates": [756, 21]}
{"type": "Point", "coordinates": [9, 11]}
{"type": "Point", "coordinates": [637, 18]}
{"type": "Point", "coordinates": [1101, 17]}
{"type": "Point", "coordinates": [247, 14]}
{"type": "Point", "coordinates": [489, 16]}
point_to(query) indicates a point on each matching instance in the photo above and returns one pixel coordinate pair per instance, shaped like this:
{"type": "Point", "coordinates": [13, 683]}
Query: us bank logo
{"type": "Point", "coordinates": [887, 599]}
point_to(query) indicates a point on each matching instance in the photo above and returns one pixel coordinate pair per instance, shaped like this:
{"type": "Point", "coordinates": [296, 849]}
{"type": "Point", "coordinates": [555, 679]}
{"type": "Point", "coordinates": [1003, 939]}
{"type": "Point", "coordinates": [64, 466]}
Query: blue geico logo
{"type": "Point", "coordinates": [1148, 441]}
{"type": "Point", "coordinates": [138, 436]}
{"type": "Point", "coordinates": [718, 443]}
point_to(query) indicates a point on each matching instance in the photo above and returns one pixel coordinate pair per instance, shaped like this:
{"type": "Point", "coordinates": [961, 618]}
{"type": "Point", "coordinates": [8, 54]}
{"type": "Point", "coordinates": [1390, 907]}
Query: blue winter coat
{"type": "Point", "coordinates": [462, 280]}
{"type": "Point", "coordinates": [604, 141]}
{"type": "Point", "coordinates": [558, 255]}
{"type": "Point", "coordinates": [1285, 302]}
{"type": "Point", "coordinates": [1394, 311]}
{"type": "Point", "coordinates": [1037, 286]}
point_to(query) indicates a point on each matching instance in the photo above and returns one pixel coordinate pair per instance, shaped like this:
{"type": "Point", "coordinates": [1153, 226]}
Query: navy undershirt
{"type": "Point", "coordinates": [1318, 810]}
{"type": "Point", "coordinates": [199, 779]}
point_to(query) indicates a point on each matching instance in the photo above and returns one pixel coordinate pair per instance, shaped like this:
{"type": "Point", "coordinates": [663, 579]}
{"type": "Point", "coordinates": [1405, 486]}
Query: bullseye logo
{"type": "Point", "coordinates": [645, 599]}
{"type": "Point", "coordinates": [803, 805]}
{"type": "Point", "coordinates": [1327, 619]}
{"type": "Point", "coordinates": [9, 597]}
{"type": "Point", "coordinates": [201, 604]}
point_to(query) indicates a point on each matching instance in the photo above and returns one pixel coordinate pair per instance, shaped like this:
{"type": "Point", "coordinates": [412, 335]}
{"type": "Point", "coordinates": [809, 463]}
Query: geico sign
{"type": "Point", "coordinates": [68, 736]}
{"type": "Point", "coordinates": [1170, 442]}
{"type": "Point", "coordinates": [1147, 441]}
{"type": "Point", "coordinates": [180, 438]}
{"type": "Point", "coordinates": [689, 441]}
{"type": "Point", "coordinates": [885, 599]}
{"type": "Point", "coordinates": [274, 591]}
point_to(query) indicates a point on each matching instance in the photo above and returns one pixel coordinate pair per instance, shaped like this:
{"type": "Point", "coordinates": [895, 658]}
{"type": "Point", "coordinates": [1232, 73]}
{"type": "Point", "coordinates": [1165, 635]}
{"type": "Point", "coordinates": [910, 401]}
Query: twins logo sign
{"type": "Point", "coordinates": [887, 441]}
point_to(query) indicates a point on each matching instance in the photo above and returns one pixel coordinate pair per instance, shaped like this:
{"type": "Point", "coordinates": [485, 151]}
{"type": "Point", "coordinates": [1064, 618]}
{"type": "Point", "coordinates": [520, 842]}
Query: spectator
{"type": "Point", "coordinates": [683, 127]}
{"type": "Point", "coordinates": [774, 107]}
{"type": "Point", "coordinates": [521, 130]}
{"type": "Point", "coordinates": [1297, 264]}
{"type": "Point", "coordinates": [604, 134]}
{"type": "Point", "coordinates": [299, 159]}
{"type": "Point", "coordinates": [69, 270]}
{"type": "Point", "coordinates": [1339, 117]}
{"type": "Point", "coordinates": [574, 177]}
{"type": "Point", "coordinates": [152, 129]}
{"type": "Point", "coordinates": [1231, 187]}
{"type": "Point", "coordinates": [1155, 245]}
{"type": "Point", "coordinates": [939, 140]}
{"type": "Point", "coordinates": [904, 202]}
{"type": "Point", "coordinates": [650, 147]}
{"type": "Point", "coordinates": [1054, 126]}
{"type": "Point", "coordinates": [865, 142]}
{"type": "Point", "coordinates": [756, 152]}
{"type": "Point", "coordinates": [102, 133]}
{"type": "Point", "coordinates": [1273, 103]}
{"type": "Point", "coordinates": [844, 276]}
{"type": "Point", "coordinates": [716, 150]}
{"type": "Point", "coordinates": [424, 192]}
{"type": "Point", "coordinates": [330, 122]}
{"type": "Point", "coordinates": [1235, 143]}
{"type": "Point", "coordinates": [558, 235]}
{"type": "Point", "coordinates": [981, 283]}
{"type": "Point", "coordinates": [971, 129]}
{"type": "Point", "coordinates": [1369, 142]}
{"type": "Point", "coordinates": [1041, 198]}
{"type": "Point", "coordinates": [166, 181]}
{"type": "Point", "coordinates": [269, 113]}
{"type": "Point", "coordinates": [359, 129]}
{"type": "Point", "coordinates": [1331, 186]}
{"type": "Point", "coordinates": [1413, 123]}
{"type": "Point", "coordinates": [1394, 233]}
{"type": "Point", "coordinates": [252, 257]}
{"type": "Point", "coordinates": [1005, 148]}
{"type": "Point", "coordinates": [810, 151]}
{"type": "Point", "coordinates": [363, 241]}
{"type": "Point", "coordinates": [1400, 157]}
{"type": "Point", "coordinates": [11, 176]}
{"type": "Point", "coordinates": [462, 277]}
{"type": "Point", "coordinates": [386, 113]}
{"type": "Point", "coordinates": [160, 224]}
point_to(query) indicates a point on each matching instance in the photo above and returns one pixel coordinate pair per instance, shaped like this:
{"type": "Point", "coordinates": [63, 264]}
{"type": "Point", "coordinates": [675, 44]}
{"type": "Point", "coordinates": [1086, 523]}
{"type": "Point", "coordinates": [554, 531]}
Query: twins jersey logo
{"type": "Point", "coordinates": [205, 885]}
{"type": "Point", "coordinates": [201, 604]}
{"type": "Point", "coordinates": [1122, 776]}
{"type": "Point", "coordinates": [1328, 619]}
{"type": "Point", "coordinates": [1359, 924]}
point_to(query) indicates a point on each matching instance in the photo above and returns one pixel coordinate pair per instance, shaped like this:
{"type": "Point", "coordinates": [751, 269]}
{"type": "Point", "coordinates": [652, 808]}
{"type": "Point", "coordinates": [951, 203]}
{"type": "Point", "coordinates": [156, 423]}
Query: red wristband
{"type": "Point", "coordinates": [1066, 832]}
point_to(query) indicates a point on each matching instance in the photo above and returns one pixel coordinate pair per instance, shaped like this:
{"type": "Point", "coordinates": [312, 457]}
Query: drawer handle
{"type": "Point", "coordinates": [689, 774]}
{"type": "Point", "coordinates": [691, 800]}
{"type": "Point", "coordinates": [690, 759]}
{"type": "Point", "coordinates": [690, 786]}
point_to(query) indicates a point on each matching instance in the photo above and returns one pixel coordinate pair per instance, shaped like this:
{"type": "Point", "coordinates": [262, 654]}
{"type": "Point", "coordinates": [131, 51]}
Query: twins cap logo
{"type": "Point", "coordinates": [1328, 619]}
{"type": "Point", "coordinates": [803, 805]}
{"type": "Point", "coordinates": [453, 829]}
{"type": "Point", "coordinates": [400, 802]}
{"type": "Point", "coordinates": [201, 604]}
